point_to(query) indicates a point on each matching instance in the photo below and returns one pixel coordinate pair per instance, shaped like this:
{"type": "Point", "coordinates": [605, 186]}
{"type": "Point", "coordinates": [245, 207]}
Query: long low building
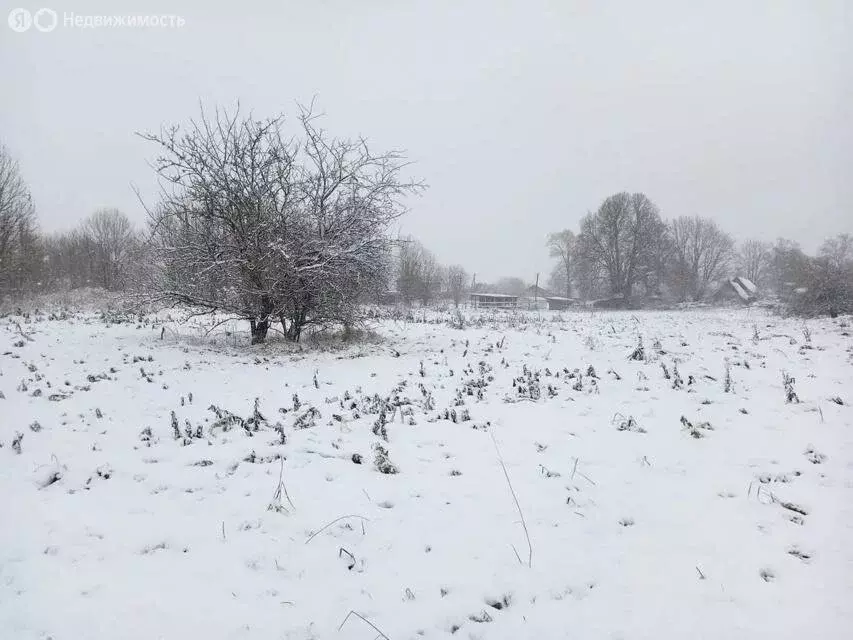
{"type": "Point", "coordinates": [494, 300]}
{"type": "Point", "coordinates": [559, 303]}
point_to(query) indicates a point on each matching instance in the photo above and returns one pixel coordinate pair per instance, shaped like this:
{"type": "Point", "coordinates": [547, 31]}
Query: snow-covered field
{"type": "Point", "coordinates": [658, 504]}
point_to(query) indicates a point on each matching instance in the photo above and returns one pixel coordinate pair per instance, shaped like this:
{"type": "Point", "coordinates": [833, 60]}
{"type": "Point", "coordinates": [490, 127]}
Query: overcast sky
{"type": "Point", "coordinates": [520, 115]}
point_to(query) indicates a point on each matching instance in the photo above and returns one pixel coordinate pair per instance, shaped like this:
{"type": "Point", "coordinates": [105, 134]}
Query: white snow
{"type": "Point", "coordinates": [638, 529]}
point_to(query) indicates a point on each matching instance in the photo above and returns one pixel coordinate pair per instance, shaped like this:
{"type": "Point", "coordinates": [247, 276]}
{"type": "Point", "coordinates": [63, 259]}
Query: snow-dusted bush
{"type": "Point", "coordinates": [267, 228]}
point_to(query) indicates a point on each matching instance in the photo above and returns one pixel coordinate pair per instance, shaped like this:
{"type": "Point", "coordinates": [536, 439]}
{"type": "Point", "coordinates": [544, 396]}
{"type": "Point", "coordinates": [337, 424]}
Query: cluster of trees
{"type": "Point", "coordinates": [418, 276]}
{"type": "Point", "coordinates": [821, 284]}
{"type": "Point", "coordinates": [625, 249]}
{"type": "Point", "coordinates": [18, 228]}
{"type": "Point", "coordinates": [98, 252]}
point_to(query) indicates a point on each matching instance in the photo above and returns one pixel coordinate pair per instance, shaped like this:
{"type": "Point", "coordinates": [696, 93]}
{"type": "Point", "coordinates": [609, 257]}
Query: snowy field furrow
{"type": "Point", "coordinates": [679, 474]}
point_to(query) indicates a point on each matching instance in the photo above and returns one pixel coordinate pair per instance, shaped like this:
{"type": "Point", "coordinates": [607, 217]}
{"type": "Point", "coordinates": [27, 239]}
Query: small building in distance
{"type": "Point", "coordinates": [558, 303]}
{"type": "Point", "coordinates": [493, 301]}
{"type": "Point", "coordinates": [534, 297]}
{"type": "Point", "coordinates": [738, 290]}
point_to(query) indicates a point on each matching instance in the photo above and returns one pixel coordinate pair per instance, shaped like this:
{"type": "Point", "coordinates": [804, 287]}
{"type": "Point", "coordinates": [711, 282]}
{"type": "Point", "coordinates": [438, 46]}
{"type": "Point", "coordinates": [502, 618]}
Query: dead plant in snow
{"type": "Point", "coordinates": [728, 383]}
{"type": "Point", "coordinates": [517, 506]}
{"type": "Point", "coordinates": [788, 383]}
{"type": "Point", "coordinates": [626, 424]}
{"type": "Point", "coordinates": [276, 503]}
{"type": "Point", "coordinates": [698, 430]}
{"type": "Point", "coordinates": [382, 460]}
{"type": "Point", "coordinates": [639, 352]}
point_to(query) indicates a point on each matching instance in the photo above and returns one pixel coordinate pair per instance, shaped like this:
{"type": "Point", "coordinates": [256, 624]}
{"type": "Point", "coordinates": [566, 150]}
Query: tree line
{"type": "Point", "coordinates": [293, 232]}
{"type": "Point", "coordinates": [97, 253]}
{"type": "Point", "coordinates": [625, 249]}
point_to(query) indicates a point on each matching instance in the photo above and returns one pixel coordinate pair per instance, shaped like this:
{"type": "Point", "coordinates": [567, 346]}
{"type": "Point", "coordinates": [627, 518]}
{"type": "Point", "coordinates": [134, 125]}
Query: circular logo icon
{"type": "Point", "coordinates": [45, 20]}
{"type": "Point", "coordinates": [20, 20]}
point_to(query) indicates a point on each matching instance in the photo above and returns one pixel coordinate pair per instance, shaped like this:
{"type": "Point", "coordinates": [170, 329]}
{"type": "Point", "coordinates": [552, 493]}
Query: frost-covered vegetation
{"type": "Point", "coordinates": [655, 474]}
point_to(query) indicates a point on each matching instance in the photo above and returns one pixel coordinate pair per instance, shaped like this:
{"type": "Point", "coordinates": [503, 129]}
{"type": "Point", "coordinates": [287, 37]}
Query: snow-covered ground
{"type": "Point", "coordinates": [658, 504]}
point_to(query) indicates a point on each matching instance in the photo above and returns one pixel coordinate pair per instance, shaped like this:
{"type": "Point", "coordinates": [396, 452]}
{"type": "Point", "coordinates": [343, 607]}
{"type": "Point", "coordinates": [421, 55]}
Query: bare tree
{"type": "Point", "coordinates": [408, 274]}
{"type": "Point", "coordinates": [701, 251]}
{"type": "Point", "coordinates": [18, 230]}
{"type": "Point", "coordinates": [557, 279]}
{"type": "Point", "coordinates": [788, 268]}
{"type": "Point", "coordinates": [419, 275]}
{"type": "Point", "coordinates": [826, 282]}
{"type": "Point", "coordinates": [618, 240]}
{"type": "Point", "coordinates": [658, 264]}
{"type": "Point", "coordinates": [112, 237]}
{"type": "Point", "coordinates": [70, 258]}
{"type": "Point", "coordinates": [457, 281]}
{"type": "Point", "coordinates": [266, 228]}
{"type": "Point", "coordinates": [838, 251]}
{"type": "Point", "coordinates": [590, 278]}
{"type": "Point", "coordinates": [431, 277]}
{"type": "Point", "coordinates": [754, 260]}
{"type": "Point", "coordinates": [561, 245]}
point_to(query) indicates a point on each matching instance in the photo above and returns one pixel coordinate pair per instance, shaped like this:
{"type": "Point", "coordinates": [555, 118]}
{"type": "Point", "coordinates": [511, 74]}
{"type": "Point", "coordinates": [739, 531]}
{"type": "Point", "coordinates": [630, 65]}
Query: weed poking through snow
{"type": "Point", "coordinates": [728, 383]}
{"type": "Point", "coordinates": [383, 461]}
{"type": "Point", "coordinates": [790, 394]}
{"type": "Point", "coordinates": [639, 353]}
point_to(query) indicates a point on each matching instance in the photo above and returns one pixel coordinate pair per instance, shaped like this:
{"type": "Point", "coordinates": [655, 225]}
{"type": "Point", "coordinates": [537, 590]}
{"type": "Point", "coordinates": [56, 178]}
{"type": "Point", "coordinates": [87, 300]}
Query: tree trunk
{"type": "Point", "coordinates": [297, 321]}
{"type": "Point", "coordinates": [294, 331]}
{"type": "Point", "coordinates": [259, 330]}
{"type": "Point", "coordinates": [261, 324]}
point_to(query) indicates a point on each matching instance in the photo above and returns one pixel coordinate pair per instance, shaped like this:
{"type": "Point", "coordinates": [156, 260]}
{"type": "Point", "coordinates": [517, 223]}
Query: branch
{"type": "Point", "coordinates": [322, 529]}
{"type": "Point", "coordinates": [517, 506]}
{"type": "Point", "coordinates": [358, 615]}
